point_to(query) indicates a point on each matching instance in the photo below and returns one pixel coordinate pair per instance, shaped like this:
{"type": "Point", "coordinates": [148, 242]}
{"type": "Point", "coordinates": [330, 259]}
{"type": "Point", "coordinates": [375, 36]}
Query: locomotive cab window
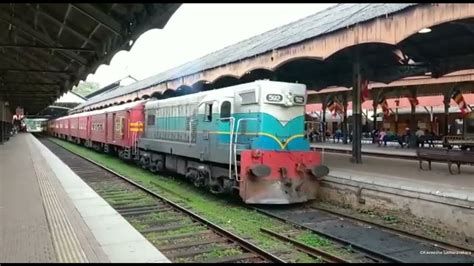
{"type": "Point", "coordinates": [225, 110]}
{"type": "Point", "coordinates": [150, 120]}
{"type": "Point", "coordinates": [208, 112]}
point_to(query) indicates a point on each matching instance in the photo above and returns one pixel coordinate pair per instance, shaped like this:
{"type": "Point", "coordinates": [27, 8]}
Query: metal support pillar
{"type": "Point", "coordinates": [397, 102]}
{"type": "Point", "coordinates": [324, 120]}
{"type": "Point", "coordinates": [374, 126]}
{"type": "Point", "coordinates": [447, 100]}
{"type": "Point", "coordinates": [413, 124]}
{"type": "Point", "coordinates": [344, 121]}
{"type": "Point", "coordinates": [2, 122]}
{"type": "Point", "coordinates": [412, 137]}
{"type": "Point", "coordinates": [356, 113]}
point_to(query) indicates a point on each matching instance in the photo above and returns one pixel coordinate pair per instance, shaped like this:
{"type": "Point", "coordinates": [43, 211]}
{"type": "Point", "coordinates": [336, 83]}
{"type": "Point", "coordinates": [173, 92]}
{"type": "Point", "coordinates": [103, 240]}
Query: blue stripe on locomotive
{"type": "Point", "coordinates": [272, 135]}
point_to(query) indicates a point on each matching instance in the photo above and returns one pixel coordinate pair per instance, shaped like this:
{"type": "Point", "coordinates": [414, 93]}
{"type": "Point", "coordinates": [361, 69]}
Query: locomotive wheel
{"type": "Point", "coordinates": [217, 185]}
{"type": "Point", "coordinates": [152, 168]}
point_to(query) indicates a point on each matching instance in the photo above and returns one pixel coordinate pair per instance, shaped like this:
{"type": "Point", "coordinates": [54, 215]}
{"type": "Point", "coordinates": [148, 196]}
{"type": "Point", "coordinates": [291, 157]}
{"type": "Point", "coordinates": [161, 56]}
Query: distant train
{"type": "Point", "coordinates": [247, 138]}
{"type": "Point", "coordinates": [36, 125]}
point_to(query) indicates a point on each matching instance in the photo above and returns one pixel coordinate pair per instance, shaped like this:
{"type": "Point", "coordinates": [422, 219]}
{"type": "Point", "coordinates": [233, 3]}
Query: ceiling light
{"type": "Point", "coordinates": [425, 30]}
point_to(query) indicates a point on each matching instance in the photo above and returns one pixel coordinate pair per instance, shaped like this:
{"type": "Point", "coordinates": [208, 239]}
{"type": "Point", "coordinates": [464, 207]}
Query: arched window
{"type": "Point", "coordinates": [225, 109]}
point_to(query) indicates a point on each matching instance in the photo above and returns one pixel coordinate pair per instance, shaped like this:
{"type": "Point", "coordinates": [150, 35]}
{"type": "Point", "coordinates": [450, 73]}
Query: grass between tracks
{"type": "Point", "coordinates": [224, 211]}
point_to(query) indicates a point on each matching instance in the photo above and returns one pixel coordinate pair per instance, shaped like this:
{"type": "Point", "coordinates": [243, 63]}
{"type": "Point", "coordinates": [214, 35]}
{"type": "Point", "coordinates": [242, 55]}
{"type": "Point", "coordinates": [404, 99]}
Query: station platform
{"type": "Point", "coordinates": [48, 214]}
{"type": "Point", "coordinates": [368, 149]}
{"type": "Point", "coordinates": [404, 174]}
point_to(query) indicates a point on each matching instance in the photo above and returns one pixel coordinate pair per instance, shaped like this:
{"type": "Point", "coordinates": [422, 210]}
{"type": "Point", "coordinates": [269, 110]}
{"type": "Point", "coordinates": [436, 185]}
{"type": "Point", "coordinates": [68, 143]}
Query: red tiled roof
{"type": "Point", "coordinates": [423, 101]}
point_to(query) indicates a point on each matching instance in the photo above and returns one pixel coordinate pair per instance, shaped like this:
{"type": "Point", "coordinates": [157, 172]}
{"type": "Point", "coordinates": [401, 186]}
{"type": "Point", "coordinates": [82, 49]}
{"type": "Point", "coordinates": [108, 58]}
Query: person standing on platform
{"type": "Point", "coordinates": [382, 137]}
{"type": "Point", "coordinates": [429, 137]}
{"type": "Point", "coordinates": [404, 138]}
{"type": "Point", "coordinates": [338, 134]}
{"type": "Point", "coordinates": [420, 135]}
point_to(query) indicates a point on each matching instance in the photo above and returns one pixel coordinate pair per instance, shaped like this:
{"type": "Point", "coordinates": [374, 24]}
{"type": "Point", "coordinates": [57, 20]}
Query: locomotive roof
{"type": "Point", "coordinates": [202, 94]}
{"type": "Point", "coordinates": [324, 22]}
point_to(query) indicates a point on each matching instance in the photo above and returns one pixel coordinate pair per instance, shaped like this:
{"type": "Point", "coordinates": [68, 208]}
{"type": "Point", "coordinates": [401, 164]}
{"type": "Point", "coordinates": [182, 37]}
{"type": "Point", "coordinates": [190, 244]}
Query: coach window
{"type": "Point", "coordinates": [225, 110]}
{"type": "Point", "coordinates": [208, 112]}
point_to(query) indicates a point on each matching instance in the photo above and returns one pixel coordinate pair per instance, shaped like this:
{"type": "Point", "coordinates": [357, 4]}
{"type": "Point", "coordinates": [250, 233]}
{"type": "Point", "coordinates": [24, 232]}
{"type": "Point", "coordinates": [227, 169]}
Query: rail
{"type": "Point", "coordinates": [327, 257]}
{"type": "Point", "coordinates": [147, 209]}
{"type": "Point", "coordinates": [376, 242]}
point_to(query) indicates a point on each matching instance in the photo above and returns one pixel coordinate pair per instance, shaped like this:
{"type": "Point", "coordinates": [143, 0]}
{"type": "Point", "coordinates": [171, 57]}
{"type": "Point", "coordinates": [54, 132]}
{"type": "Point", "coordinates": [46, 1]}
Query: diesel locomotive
{"type": "Point", "coordinates": [247, 138]}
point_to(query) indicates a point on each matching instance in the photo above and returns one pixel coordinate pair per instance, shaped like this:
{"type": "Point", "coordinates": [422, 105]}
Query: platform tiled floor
{"type": "Point", "coordinates": [48, 214]}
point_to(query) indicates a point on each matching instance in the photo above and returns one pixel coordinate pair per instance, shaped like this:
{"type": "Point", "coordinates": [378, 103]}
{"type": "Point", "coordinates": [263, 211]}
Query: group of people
{"type": "Point", "coordinates": [422, 137]}
{"type": "Point", "coordinates": [314, 135]}
{"type": "Point", "coordinates": [381, 137]}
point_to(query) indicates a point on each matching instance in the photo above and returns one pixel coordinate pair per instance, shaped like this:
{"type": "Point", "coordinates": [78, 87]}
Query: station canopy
{"type": "Point", "coordinates": [46, 49]}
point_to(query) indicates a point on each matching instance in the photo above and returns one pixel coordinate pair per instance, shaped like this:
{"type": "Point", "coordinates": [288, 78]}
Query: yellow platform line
{"type": "Point", "coordinates": [67, 246]}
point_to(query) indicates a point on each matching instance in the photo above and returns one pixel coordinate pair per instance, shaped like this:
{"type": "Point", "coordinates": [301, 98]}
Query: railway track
{"type": "Point", "coordinates": [367, 242]}
{"type": "Point", "coordinates": [181, 235]}
{"type": "Point", "coordinates": [380, 244]}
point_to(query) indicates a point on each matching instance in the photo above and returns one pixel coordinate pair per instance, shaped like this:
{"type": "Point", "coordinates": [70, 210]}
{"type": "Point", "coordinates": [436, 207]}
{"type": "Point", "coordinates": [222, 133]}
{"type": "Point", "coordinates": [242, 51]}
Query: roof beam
{"type": "Point", "coordinates": [7, 58]}
{"type": "Point", "coordinates": [100, 17]}
{"type": "Point", "coordinates": [58, 36]}
{"type": "Point", "coordinates": [35, 71]}
{"type": "Point", "coordinates": [443, 66]}
{"type": "Point", "coordinates": [58, 48]}
{"type": "Point", "coordinates": [45, 54]}
{"type": "Point", "coordinates": [42, 38]}
{"type": "Point", "coordinates": [469, 27]}
{"type": "Point", "coordinates": [85, 42]}
{"type": "Point", "coordinates": [37, 61]}
{"type": "Point", "coordinates": [29, 83]}
{"type": "Point", "coordinates": [37, 94]}
{"type": "Point", "coordinates": [60, 24]}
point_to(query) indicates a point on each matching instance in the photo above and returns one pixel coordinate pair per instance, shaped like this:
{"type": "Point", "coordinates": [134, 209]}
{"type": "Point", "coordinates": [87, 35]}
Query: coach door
{"type": "Point", "coordinates": [206, 126]}
{"type": "Point", "coordinates": [113, 128]}
{"type": "Point", "coordinates": [89, 128]}
{"type": "Point", "coordinates": [119, 127]}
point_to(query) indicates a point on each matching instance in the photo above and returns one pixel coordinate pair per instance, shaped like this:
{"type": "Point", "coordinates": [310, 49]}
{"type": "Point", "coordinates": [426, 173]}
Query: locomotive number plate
{"type": "Point", "coordinates": [274, 97]}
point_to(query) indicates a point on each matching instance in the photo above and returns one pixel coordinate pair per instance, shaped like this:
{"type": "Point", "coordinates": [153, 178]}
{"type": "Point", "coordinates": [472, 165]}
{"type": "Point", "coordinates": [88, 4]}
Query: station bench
{"type": "Point", "coordinates": [449, 156]}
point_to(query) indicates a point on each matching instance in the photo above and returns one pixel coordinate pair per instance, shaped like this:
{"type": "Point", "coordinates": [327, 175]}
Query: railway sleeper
{"type": "Point", "coordinates": [166, 221]}
{"type": "Point", "coordinates": [167, 228]}
{"type": "Point", "coordinates": [185, 235]}
{"type": "Point", "coordinates": [126, 198]}
{"type": "Point", "coordinates": [193, 253]}
{"type": "Point", "coordinates": [137, 207]}
{"type": "Point", "coordinates": [130, 204]}
{"type": "Point", "coordinates": [194, 243]}
{"type": "Point", "coordinates": [143, 212]}
{"type": "Point", "coordinates": [107, 193]}
{"type": "Point", "coordinates": [235, 258]}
